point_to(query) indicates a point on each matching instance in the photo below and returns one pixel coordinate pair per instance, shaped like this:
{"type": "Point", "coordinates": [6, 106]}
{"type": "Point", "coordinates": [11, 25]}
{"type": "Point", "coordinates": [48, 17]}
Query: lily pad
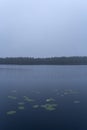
{"type": "Point", "coordinates": [49, 107]}
{"type": "Point", "coordinates": [28, 99]}
{"type": "Point", "coordinates": [36, 106]}
{"type": "Point", "coordinates": [11, 112]}
{"type": "Point", "coordinates": [21, 103]}
{"type": "Point", "coordinates": [21, 107]}
{"type": "Point", "coordinates": [50, 100]}
{"type": "Point", "coordinates": [12, 97]}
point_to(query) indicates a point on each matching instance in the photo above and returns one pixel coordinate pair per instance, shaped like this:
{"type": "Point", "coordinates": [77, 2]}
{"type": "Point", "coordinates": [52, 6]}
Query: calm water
{"type": "Point", "coordinates": [32, 87]}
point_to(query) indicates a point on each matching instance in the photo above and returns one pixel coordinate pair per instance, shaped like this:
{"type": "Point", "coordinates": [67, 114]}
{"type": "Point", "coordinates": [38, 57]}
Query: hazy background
{"type": "Point", "coordinates": [43, 28]}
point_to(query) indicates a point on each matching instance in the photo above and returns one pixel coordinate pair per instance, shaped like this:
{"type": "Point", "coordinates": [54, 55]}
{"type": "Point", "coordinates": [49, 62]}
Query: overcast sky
{"type": "Point", "coordinates": [43, 28]}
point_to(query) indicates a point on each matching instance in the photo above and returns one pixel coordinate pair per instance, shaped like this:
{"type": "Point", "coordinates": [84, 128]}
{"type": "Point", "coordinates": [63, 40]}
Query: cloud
{"type": "Point", "coordinates": [43, 28]}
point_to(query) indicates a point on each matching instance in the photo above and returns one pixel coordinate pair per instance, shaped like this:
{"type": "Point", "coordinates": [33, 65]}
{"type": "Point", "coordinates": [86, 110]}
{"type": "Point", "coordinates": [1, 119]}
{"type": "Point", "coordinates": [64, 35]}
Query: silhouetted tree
{"type": "Point", "coordinates": [45, 61]}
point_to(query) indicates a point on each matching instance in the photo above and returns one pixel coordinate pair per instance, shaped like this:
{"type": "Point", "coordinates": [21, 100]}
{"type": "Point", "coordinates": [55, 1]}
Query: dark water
{"type": "Point", "coordinates": [66, 86]}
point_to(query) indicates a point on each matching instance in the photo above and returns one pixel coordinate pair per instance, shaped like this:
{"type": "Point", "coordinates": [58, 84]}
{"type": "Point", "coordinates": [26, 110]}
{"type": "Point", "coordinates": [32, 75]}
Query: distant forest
{"type": "Point", "coordinates": [44, 61]}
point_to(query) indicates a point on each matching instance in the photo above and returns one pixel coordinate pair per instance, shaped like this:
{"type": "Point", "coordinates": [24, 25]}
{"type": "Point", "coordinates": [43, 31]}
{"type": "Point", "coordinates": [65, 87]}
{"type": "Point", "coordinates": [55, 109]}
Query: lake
{"type": "Point", "coordinates": [43, 97]}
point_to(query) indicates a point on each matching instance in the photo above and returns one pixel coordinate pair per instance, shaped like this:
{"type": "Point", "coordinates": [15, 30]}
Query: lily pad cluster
{"type": "Point", "coordinates": [49, 103]}
{"type": "Point", "coordinates": [50, 107]}
{"type": "Point", "coordinates": [21, 105]}
{"type": "Point", "coordinates": [66, 92]}
{"type": "Point", "coordinates": [28, 99]}
{"type": "Point", "coordinates": [70, 91]}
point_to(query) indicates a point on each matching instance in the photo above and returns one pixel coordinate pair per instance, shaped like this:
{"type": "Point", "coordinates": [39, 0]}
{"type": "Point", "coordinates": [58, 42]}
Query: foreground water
{"type": "Point", "coordinates": [43, 97]}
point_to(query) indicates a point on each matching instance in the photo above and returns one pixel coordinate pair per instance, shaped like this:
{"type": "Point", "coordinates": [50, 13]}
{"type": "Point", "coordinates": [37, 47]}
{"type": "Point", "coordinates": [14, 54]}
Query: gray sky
{"type": "Point", "coordinates": [43, 28]}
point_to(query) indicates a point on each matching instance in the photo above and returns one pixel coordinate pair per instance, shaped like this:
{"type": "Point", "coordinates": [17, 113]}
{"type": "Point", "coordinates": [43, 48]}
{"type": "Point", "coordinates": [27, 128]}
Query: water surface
{"type": "Point", "coordinates": [25, 89]}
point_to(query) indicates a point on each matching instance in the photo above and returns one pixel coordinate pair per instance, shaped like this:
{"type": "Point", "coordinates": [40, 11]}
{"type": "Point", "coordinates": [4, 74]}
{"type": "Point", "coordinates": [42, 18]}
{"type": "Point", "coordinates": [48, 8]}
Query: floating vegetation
{"type": "Point", "coordinates": [11, 112]}
{"type": "Point", "coordinates": [49, 107]}
{"type": "Point", "coordinates": [21, 107]}
{"type": "Point", "coordinates": [70, 91]}
{"type": "Point", "coordinates": [35, 106]}
{"type": "Point", "coordinates": [50, 100]}
{"type": "Point", "coordinates": [12, 97]}
{"type": "Point", "coordinates": [20, 103]}
{"type": "Point", "coordinates": [76, 102]}
{"type": "Point", "coordinates": [28, 99]}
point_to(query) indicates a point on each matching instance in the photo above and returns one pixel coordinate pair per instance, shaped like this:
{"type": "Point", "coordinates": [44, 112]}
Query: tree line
{"type": "Point", "coordinates": [44, 61]}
